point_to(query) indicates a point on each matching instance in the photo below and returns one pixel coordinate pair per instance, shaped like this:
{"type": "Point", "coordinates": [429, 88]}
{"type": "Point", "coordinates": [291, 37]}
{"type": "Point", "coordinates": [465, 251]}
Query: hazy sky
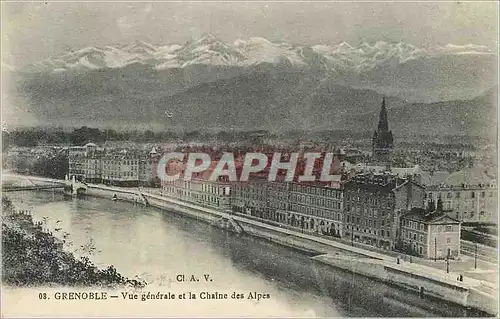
{"type": "Point", "coordinates": [33, 31]}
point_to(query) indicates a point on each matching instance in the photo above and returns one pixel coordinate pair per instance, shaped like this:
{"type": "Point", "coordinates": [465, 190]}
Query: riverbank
{"type": "Point", "coordinates": [33, 257]}
{"type": "Point", "coordinates": [420, 278]}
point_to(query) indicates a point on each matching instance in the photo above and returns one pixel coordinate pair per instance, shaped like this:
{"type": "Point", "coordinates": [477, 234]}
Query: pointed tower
{"type": "Point", "coordinates": [382, 142]}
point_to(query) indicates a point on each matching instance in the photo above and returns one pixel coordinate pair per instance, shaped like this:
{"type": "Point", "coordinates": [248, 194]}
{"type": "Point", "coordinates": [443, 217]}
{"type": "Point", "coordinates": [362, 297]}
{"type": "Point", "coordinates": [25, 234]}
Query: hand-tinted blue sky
{"type": "Point", "coordinates": [33, 31]}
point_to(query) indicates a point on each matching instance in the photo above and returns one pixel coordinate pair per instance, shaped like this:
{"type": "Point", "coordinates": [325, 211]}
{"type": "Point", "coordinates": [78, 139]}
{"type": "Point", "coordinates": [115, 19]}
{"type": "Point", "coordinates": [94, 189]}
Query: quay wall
{"type": "Point", "coordinates": [426, 285]}
{"type": "Point", "coordinates": [483, 301]}
{"type": "Point", "coordinates": [109, 192]}
{"type": "Point", "coordinates": [368, 267]}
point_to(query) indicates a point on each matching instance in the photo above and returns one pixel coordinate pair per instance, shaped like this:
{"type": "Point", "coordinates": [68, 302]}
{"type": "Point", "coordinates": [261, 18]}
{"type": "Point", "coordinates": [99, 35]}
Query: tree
{"type": "Point", "coordinates": [439, 206]}
{"type": "Point", "coordinates": [431, 206]}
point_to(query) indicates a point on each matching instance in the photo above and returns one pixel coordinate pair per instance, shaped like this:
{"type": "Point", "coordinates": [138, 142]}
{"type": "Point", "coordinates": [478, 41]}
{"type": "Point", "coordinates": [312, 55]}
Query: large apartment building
{"type": "Point", "coordinates": [92, 168]}
{"type": "Point", "coordinates": [119, 167]}
{"type": "Point", "coordinates": [317, 208]}
{"type": "Point", "coordinates": [468, 196]}
{"type": "Point", "coordinates": [77, 157]}
{"type": "Point", "coordinates": [213, 194]}
{"type": "Point", "coordinates": [308, 207]}
{"type": "Point", "coordinates": [373, 204]}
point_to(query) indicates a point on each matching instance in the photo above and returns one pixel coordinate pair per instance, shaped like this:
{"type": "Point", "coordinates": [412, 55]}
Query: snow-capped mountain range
{"type": "Point", "coordinates": [208, 50]}
{"type": "Point", "coordinates": [255, 82]}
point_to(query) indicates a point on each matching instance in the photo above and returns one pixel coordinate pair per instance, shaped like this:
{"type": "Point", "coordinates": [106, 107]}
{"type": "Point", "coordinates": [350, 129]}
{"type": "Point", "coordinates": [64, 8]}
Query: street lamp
{"type": "Point", "coordinates": [448, 262]}
{"type": "Point", "coordinates": [435, 249]}
{"type": "Point", "coordinates": [475, 256]}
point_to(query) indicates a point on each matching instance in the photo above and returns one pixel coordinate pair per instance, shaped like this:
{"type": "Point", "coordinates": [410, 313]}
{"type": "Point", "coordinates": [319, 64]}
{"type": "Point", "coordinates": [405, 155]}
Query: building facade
{"type": "Point", "coordinates": [119, 167]}
{"type": "Point", "coordinates": [93, 164]}
{"type": "Point", "coordinates": [316, 208]}
{"type": "Point", "coordinates": [469, 204]}
{"type": "Point", "coordinates": [373, 205]}
{"type": "Point", "coordinates": [468, 195]}
{"type": "Point", "coordinates": [310, 208]}
{"type": "Point", "coordinates": [213, 194]}
{"type": "Point", "coordinates": [77, 162]}
{"type": "Point", "coordinates": [430, 235]}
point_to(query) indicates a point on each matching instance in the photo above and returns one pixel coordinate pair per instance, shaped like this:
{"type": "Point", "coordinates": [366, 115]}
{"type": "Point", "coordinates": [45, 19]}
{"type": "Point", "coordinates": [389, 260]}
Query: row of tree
{"type": "Point", "coordinates": [433, 206]}
{"type": "Point", "coordinates": [31, 137]}
{"type": "Point", "coordinates": [51, 166]}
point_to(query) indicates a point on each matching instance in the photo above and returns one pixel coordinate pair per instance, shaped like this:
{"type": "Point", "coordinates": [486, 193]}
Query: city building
{"type": "Point", "coordinates": [148, 165]}
{"type": "Point", "coordinates": [313, 208]}
{"type": "Point", "coordinates": [382, 142]}
{"type": "Point", "coordinates": [316, 208]}
{"type": "Point", "coordinates": [119, 167]}
{"type": "Point", "coordinates": [199, 190]}
{"type": "Point", "coordinates": [214, 194]}
{"type": "Point", "coordinates": [77, 157]}
{"type": "Point", "coordinates": [373, 204]}
{"type": "Point", "coordinates": [93, 164]}
{"type": "Point", "coordinates": [430, 235]}
{"type": "Point", "coordinates": [469, 195]}
{"type": "Point", "coordinates": [252, 198]}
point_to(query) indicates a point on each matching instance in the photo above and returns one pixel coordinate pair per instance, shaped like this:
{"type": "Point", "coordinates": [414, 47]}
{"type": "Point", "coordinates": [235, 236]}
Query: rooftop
{"type": "Point", "coordinates": [469, 176]}
{"type": "Point", "coordinates": [379, 181]}
{"type": "Point", "coordinates": [423, 215]}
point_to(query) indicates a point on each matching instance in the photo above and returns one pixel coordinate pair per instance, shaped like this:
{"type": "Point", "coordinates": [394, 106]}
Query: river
{"type": "Point", "coordinates": [158, 245]}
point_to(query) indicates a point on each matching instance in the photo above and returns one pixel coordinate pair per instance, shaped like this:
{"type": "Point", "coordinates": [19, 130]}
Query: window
{"type": "Point", "coordinates": [472, 195]}
{"type": "Point", "coordinates": [421, 226]}
{"type": "Point", "coordinates": [448, 228]}
{"type": "Point", "coordinates": [448, 240]}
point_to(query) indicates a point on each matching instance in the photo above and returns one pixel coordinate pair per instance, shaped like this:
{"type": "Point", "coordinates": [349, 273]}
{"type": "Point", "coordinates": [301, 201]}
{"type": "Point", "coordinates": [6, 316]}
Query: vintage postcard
{"type": "Point", "coordinates": [249, 159]}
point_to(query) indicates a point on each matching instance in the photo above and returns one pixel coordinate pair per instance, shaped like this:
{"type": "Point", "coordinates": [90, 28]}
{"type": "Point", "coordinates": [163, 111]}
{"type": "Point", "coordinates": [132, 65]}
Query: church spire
{"type": "Point", "coordinates": [383, 125]}
{"type": "Point", "coordinates": [382, 142]}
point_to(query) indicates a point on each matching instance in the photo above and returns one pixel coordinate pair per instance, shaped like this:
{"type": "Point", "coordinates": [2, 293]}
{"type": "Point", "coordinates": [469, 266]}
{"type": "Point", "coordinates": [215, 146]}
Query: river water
{"type": "Point", "coordinates": [158, 245]}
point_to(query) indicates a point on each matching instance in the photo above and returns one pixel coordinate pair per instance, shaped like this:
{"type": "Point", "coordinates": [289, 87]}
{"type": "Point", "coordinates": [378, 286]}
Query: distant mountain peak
{"type": "Point", "coordinates": [139, 46]}
{"type": "Point", "coordinates": [207, 37]}
{"type": "Point", "coordinates": [364, 64]}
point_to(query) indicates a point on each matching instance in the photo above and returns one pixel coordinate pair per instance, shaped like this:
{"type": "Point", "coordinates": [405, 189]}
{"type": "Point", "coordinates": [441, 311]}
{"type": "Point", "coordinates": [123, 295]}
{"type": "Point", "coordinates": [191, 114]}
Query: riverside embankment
{"type": "Point", "coordinates": [33, 257]}
{"type": "Point", "coordinates": [425, 280]}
